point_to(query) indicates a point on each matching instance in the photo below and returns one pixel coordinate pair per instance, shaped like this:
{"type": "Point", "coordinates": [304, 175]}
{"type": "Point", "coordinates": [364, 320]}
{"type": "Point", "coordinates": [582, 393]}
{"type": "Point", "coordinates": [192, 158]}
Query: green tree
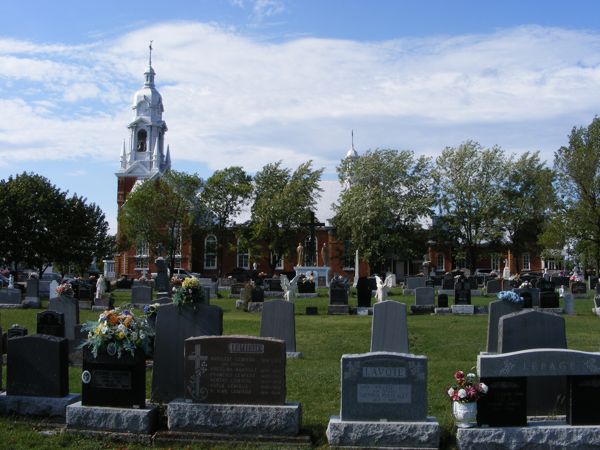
{"type": "Point", "coordinates": [576, 223]}
{"type": "Point", "coordinates": [469, 178]}
{"type": "Point", "coordinates": [282, 200]}
{"type": "Point", "coordinates": [528, 196]}
{"type": "Point", "coordinates": [42, 225]}
{"type": "Point", "coordinates": [386, 193]}
{"type": "Point", "coordinates": [225, 193]}
{"type": "Point", "coordinates": [161, 212]}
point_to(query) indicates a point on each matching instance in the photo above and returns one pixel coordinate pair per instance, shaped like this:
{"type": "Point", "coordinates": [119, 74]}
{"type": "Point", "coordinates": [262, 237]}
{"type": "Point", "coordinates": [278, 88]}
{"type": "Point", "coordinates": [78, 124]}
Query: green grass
{"type": "Point", "coordinates": [449, 342]}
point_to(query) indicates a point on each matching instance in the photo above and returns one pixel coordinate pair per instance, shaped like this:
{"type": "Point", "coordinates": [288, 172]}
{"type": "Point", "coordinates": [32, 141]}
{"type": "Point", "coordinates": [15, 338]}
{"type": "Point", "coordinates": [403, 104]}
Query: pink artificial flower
{"type": "Point", "coordinates": [471, 392]}
{"type": "Point", "coordinates": [459, 375]}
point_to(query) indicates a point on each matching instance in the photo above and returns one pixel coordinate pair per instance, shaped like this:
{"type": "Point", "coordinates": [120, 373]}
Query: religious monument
{"type": "Point", "coordinates": [307, 262]}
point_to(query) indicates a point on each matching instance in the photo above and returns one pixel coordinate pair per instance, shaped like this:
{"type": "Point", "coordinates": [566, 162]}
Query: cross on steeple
{"type": "Point", "coordinates": [150, 57]}
{"type": "Point", "coordinates": [311, 251]}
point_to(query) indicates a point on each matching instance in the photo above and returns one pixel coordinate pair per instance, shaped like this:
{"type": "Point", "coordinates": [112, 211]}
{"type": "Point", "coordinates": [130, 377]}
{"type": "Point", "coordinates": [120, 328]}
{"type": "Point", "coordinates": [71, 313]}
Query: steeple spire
{"type": "Point", "coordinates": [149, 71]}
{"type": "Point", "coordinates": [150, 57]}
{"type": "Point", "coordinates": [352, 152]}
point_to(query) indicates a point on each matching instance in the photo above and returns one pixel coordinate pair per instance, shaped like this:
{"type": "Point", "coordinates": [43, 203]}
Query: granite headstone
{"type": "Point", "coordinates": [389, 332]}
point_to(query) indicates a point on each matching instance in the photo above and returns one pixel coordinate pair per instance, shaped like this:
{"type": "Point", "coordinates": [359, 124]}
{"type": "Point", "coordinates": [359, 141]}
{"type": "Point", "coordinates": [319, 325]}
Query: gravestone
{"type": "Point", "coordinates": [257, 295]}
{"type": "Point", "coordinates": [383, 403]}
{"type": "Point", "coordinates": [162, 275]}
{"type": "Point", "coordinates": [85, 292]}
{"type": "Point", "coordinates": [493, 286]}
{"type": "Point", "coordinates": [549, 299]}
{"type": "Point", "coordinates": [51, 323]}
{"type": "Point", "coordinates": [534, 294]}
{"type": "Point", "coordinates": [424, 301]}
{"type": "Point", "coordinates": [448, 284]}
{"type": "Point", "coordinates": [235, 370]}
{"type": "Point", "coordinates": [383, 386]}
{"type": "Point", "coordinates": [497, 309]}
{"type": "Point", "coordinates": [583, 397]}
{"type": "Point", "coordinates": [532, 329]}
{"type": "Point", "coordinates": [37, 365]}
{"type": "Point", "coordinates": [338, 296]}
{"type": "Point", "coordinates": [236, 288]}
{"type": "Point", "coordinates": [415, 282]}
{"type": "Point", "coordinates": [559, 281]}
{"type": "Point", "coordinates": [442, 300]}
{"type": "Point", "coordinates": [507, 285]}
{"type": "Point", "coordinates": [505, 404]}
{"type": "Point", "coordinates": [363, 292]}
{"type": "Point", "coordinates": [569, 304]}
{"type": "Point", "coordinates": [578, 289]}
{"type": "Point", "coordinates": [52, 292]}
{"type": "Point", "coordinates": [14, 331]}
{"type": "Point", "coordinates": [32, 293]}
{"type": "Point", "coordinates": [278, 321]}
{"type": "Point", "coordinates": [545, 285]}
{"type": "Point", "coordinates": [69, 306]}
{"type": "Point", "coordinates": [10, 296]}
{"type": "Point", "coordinates": [389, 331]}
{"type": "Point", "coordinates": [141, 294]}
{"type": "Point", "coordinates": [462, 292]}
{"type": "Point", "coordinates": [173, 326]}
{"type": "Point", "coordinates": [273, 284]}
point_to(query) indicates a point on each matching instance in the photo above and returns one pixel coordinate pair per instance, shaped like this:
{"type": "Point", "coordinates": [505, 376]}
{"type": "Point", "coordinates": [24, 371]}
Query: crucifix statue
{"type": "Point", "coordinates": [311, 250]}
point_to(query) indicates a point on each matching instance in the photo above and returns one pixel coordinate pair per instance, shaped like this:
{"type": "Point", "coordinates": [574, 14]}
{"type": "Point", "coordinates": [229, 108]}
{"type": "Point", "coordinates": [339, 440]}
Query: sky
{"type": "Point", "coordinates": [249, 82]}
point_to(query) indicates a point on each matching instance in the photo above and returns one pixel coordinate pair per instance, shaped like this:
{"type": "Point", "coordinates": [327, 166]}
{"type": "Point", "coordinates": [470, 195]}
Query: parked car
{"type": "Point", "coordinates": [3, 281]}
{"type": "Point", "coordinates": [181, 273]}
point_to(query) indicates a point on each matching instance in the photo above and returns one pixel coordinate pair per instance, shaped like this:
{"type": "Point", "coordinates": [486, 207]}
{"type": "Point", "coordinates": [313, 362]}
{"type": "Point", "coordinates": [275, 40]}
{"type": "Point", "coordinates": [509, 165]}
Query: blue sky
{"type": "Point", "coordinates": [250, 82]}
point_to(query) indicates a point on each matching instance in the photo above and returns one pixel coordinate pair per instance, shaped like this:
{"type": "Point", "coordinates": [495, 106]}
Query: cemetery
{"type": "Point", "coordinates": [310, 372]}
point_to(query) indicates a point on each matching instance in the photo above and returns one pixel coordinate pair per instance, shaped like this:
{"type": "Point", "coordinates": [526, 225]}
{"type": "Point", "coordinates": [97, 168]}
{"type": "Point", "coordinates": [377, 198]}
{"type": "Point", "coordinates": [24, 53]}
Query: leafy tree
{"type": "Point", "coordinates": [224, 195]}
{"type": "Point", "coordinates": [161, 212]}
{"type": "Point", "coordinates": [528, 195]}
{"type": "Point", "coordinates": [469, 179]}
{"type": "Point", "coordinates": [42, 226]}
{"type": "Point", "coordinates": [577, 219]}
{"type": "Point", "coordinates": [281, 202]}
{"type": "Point", "coordinates": [386, 194]}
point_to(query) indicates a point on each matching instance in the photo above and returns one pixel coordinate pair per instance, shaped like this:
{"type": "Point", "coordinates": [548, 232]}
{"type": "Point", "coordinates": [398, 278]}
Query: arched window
{"type": "Point", "coordinates": [210, 252]}
{"type": "Point", "coordinates": [141, 141]}
{"type": "Point", "coordinates": [243, 259]}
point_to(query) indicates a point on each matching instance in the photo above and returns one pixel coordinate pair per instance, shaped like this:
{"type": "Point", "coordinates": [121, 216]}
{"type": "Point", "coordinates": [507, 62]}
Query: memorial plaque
{"type": "Point", "coordinates": [38, 365]}
{"type": "Point", "coordinates": [235, 370]}
{"type": "Point", "coordinates": [583, 398]}
{"type": "Point", "coordinates": [505, 404]}
{"type": "Point", "coordinates": [111, 381]}
{"type": "Point", "coordinates": [384, 386]}
{"type": "Point", "coordinates": [51, 323]}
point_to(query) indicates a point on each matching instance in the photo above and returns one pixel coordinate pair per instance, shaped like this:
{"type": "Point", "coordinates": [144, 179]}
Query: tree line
{"type": "Point", "coordinates": [393, 203]}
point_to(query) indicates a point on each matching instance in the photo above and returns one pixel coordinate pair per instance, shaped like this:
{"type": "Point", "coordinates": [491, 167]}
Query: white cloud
{"type": "Point", "coordinates": [230, 99]}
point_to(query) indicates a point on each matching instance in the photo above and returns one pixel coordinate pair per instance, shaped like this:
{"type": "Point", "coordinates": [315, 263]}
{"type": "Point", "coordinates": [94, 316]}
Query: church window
{"type": "Point", "coordinates": [210, 252]}
{"type": "Point", "coordinates": [526, 261]}
{"type": "Point", "coordinates": [141, 141]}
{"type": "Point", "coordinates": [242, 256]}
{"type": "Point", "coordinates": [441, 263]}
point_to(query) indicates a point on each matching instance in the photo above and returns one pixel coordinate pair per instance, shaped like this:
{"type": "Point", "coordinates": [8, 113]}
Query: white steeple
{"type": "Point", "coordinates": [352, 152]}
{"type": "Point", "coordinates": [145, 154]}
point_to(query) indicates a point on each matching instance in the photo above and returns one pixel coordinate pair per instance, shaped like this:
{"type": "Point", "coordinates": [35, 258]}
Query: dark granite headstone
{"type": "Point", "coordinates": [273, 284]}
{"type": "Point", "coordinates": [442, 300]}
{"type": "Point", "coordinates": [560, 281]}
{"type": "Point", "coordinates": [85, 292]}
{"type": "Point", "coordinates": [141, 294]}
{"type": "Point", "coordinates": [173, 326]}
{"type": "Point", "coordinates": [237, 287]}
{"type": "Point", "coordinates": [383, 386]}
{"type": "Point", "coordinates": [338, 296]}
{"type": "Point", "coordinates": [532, 329]}
{"type": "Point", "coordinates": [593, 282]}
{"type": "Point", "coordinates": [69, 306]}
{"type": "Point", "coordinates": [33, 287]}
{"type": "Point", "coordinates": [51, 323]}
{"type": "Point", "coordinates": [235, 370]}
{"type": "Point", "coordinates": [527, 300]}
{"type": "Point", "coordinates": [583, 397]}
{"type": "Point", "coordinates": [424, 296]}
{"type": "Point", "coordinates": [549, 299]}
{"type": "Point", "coordinates": [448, 284]}
{"type": "Point", "coordinates": [389, 331]}
{"type": "Point", "coordinates": [534, 295]}
{"type": "Point", "coordinates": [545, 285]}
{"type": "Point", "coordinates": [363, 292]}
{"type": "Point", "coordinates": [162, 276]}
{"type": "Point", "coordinates": [578, 288]}
{"type": "Point", "coordinates": [597, 301]}
{"type": "Point", "coordinates": [497, 309]}
{"type": "Point", "coordinates": [278, 322]}
{"type": "Point", "coordinates": [462, 292]}
{"type": "Point", "coordinates": [111, 381]}
{"type": "Point", "coordinates": [16, 331]}
{"type": "Point", "coordinates": [505, 404]}
{"type": "Point", "coordinates": [312, 311]}
{"type": "Point", "coordinates": [494, 286]}
{"type": "Point", "coordinates": [38, 365]}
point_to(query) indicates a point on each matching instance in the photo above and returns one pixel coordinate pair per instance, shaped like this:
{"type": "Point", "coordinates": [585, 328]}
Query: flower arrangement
{"type": "Point", "coordinates": [151, 310]}
{"type": "Point", "coordinates": [65, 289]}
{"type": "Point", "coordinates": [509, 296]}
{"type": "Point", "coordinates": [176, 282]}
{"type": "Point", "coordinates": [190, 292]}
{"type": "Point", "coordinates": [466, 388]}
{"type": "Point", "coordinates": [117, 331]}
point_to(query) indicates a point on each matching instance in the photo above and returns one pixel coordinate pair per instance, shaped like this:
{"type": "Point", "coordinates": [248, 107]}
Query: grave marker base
{"type": "Point", "coordinates": [282, 420]}
{"type": "Point", "coordinates": [127, 420]}
{"type": "Point", "coordinates": [425, 434]}
{"type": "Point", "coordinates": [338, 309]}
{"type": "Point", "coordinates": [542, 434]}
{"type": "Point", "coordinates": [26, 405]}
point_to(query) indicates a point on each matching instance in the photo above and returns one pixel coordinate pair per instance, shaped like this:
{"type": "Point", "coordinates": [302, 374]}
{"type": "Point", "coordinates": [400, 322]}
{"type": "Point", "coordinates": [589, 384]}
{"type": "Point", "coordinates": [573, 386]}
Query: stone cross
{"type": "Point", "coordinates": [312, 249]}
{"type": "Point", "coordinates": [199, 368]}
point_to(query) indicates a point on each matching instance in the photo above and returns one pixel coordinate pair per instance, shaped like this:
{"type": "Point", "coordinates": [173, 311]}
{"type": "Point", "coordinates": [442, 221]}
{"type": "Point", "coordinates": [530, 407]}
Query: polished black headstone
{"type": "Point", "coordinates": [505, 404]}
{"type": "Point", "coordinates": [583, 398]}
{"type": "Point", "coordinates": [363, 292]}
{"type": "Point", "coordinates": [442, 300]}
{"type": "Point", "coordinates": [51, 323]}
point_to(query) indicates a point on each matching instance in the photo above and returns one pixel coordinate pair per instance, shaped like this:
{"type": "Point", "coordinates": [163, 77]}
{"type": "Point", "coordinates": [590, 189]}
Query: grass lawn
{"type": "Point", "coordinates": [449, 342]}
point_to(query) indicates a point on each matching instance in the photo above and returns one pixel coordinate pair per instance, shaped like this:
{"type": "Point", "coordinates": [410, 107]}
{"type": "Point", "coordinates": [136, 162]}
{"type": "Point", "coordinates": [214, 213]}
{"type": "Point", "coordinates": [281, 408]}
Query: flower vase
{"type": "Point", "coordinates": [465, 414]}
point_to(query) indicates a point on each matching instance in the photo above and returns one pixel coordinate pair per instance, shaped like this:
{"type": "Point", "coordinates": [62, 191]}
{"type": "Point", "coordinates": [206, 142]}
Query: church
{"type": "Point", "coordinates": [144, 157]}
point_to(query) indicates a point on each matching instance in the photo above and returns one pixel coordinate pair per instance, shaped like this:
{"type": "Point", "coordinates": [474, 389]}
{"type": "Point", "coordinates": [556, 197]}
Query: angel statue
{"type": "Point", "coordinates": [382, 287]}
{"type": "Point", "coordinates": [289, 287]}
